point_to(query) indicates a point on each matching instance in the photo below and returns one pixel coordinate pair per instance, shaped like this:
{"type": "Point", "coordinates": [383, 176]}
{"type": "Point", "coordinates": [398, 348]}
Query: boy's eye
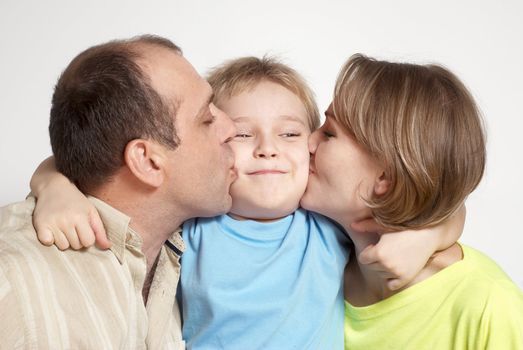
{"type": "Point", "coordinates": [290, 134]}
{"type": "Point", "coordinates": [242, 136]}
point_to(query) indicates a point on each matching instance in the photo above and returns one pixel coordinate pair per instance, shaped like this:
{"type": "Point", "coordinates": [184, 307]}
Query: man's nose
{"type": "Point", "coordinates": [228, 128]}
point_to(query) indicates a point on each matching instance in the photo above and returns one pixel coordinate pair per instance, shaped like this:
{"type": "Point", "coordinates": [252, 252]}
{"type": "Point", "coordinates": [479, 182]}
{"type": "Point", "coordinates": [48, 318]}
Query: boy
{"type": "Point", "coordinates": [267, 273]}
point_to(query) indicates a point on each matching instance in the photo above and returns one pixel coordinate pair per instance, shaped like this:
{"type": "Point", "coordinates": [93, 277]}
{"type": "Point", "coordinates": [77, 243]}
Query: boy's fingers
{"type": "Point", "coordinates": [45, 236]}
{"type": "Point", "coordinates": [72, 237]}
{"type": "Point", "coordinates": [101, 239]}
{"type": "Point", "coordinates": [368, 255]}
{"type": "Point", "coordinates": [85, 234]}
{"type": "Point", "coordinates": [60, 241]}
{"type": "Point", "coordinates": [395, 283]}
{"type": "Point", "coordinates": [43, 232]}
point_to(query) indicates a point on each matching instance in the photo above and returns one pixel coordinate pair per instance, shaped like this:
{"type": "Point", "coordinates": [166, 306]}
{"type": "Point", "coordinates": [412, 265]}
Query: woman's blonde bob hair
{"type": "Point", "coordinates": [422, 124]}
{"type": "Point", "coordinates": [244, 73]}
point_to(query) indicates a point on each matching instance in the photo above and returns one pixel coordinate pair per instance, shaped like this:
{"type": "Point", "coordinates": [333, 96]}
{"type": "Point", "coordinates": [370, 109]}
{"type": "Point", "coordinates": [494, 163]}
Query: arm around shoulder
{"type": "Point", "coordinates": [63, 215]}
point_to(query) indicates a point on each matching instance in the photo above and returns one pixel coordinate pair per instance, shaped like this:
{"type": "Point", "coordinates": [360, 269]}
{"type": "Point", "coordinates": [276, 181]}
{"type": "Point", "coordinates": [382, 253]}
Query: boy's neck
{"type": "Point", "coordinates": [364, 286]}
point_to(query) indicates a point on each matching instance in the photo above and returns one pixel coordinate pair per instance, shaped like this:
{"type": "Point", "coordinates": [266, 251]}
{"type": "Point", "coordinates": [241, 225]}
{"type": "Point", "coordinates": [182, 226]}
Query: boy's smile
{"type": "Point", "coordinates": [272, 157]}
{"type": "Point", "coordinates": [267, 172]}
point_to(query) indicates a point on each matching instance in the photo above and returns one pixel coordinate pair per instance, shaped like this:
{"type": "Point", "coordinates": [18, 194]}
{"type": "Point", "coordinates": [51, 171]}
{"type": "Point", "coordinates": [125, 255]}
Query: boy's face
{"type": "Point", "coordinates": [272, 156]}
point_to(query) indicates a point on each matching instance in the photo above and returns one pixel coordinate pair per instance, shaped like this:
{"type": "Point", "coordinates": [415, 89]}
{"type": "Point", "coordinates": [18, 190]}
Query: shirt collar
{"type": "Point", "coordinates": [116, 226]}
{"type": "Point", "coordinates": [119, 233]}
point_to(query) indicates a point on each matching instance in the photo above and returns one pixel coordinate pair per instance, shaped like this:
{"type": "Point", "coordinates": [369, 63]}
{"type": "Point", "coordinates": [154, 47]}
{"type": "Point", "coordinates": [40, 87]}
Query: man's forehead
{"type": "Point", "coordinates": [170, 73]}
{"type": "Point", "coordinates": [177, 82]}
{"type": "Point", "coordinates": [194, 100]}
{"type": "Point", "coordinates": [160, 63]}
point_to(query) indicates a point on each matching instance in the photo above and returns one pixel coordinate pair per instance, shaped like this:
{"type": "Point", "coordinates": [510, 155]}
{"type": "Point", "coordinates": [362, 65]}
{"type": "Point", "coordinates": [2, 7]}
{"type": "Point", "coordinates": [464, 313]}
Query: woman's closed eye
{"type": "Point", "coordinates": [328, 134]}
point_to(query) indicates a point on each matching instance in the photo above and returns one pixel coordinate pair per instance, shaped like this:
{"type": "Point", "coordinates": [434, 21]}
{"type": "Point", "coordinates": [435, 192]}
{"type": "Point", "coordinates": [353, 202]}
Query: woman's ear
{"type": "Point", "coordinates": [145, 160]}
{"type": "Point", "coordinates": [381, 185]}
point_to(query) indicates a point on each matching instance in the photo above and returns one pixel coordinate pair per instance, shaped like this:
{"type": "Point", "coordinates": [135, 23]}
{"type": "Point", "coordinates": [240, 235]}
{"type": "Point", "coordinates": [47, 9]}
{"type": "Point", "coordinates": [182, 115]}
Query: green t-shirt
{"type": "Point", "coordinates": [471, 304]}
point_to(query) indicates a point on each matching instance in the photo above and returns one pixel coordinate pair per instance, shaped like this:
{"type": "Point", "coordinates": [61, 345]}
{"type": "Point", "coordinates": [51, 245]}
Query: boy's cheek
{"type": "Point", "coordinates": [241, 152]}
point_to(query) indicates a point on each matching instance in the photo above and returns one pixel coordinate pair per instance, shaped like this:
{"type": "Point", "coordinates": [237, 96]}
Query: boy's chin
{"type": "Point", "coordinates": [262, 214]}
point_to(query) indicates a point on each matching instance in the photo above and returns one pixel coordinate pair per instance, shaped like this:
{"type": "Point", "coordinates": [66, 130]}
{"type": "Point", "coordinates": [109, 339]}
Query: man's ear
{"type": "Point", "coordinates": [145, 160]}
{"type": "Point", "coordinates": [381, 184]}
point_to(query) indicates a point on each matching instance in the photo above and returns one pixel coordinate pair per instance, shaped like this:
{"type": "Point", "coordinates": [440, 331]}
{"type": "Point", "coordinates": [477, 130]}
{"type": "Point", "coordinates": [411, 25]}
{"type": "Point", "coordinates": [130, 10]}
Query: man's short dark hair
{"type": "Point", "coordinates": [102, 101]}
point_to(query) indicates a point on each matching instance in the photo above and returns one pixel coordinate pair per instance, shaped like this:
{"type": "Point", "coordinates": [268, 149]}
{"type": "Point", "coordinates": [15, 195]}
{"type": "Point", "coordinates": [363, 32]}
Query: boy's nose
{"type": "Point", "coordinates": [266, 154]}
{"type": "Point", "coordinates": [265, 149]}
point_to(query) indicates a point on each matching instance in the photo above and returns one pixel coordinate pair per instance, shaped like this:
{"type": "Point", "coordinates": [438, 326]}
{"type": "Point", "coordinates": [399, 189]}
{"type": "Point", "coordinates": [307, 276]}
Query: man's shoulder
{"type": "Point", "coordinates": [17, 216]}
{"type": "Point", "coordinates": [16, 228]}
{"type": "Point", "coordinates": [19, 241]}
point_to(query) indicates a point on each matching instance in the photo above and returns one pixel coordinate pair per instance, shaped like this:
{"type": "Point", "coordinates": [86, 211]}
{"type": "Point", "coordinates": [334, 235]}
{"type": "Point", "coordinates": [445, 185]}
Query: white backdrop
{"type": "Point", "coordinates": [481, 41]}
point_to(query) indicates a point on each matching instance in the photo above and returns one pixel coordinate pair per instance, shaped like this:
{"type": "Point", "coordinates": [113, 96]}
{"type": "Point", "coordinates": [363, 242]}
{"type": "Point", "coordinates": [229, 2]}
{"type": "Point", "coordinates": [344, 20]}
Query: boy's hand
{"type": "Point", "coordinates": [400, 256]}
{"type": "Point", "coordinates": [63, 215]}
{"type": "Point", "coordinates": [68, 219]}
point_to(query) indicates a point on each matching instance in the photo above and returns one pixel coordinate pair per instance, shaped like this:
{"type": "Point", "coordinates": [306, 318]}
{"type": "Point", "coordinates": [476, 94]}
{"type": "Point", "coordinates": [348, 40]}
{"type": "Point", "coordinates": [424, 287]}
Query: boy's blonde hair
{"type": "Point", "coordinates": [423, 125]}
{"type": "Point", "coordinates": [241, 74]}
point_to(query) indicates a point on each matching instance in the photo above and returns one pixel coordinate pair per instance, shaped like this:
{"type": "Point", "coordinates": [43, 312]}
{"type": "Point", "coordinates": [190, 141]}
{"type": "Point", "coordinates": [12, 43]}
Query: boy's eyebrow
{"type": "Point", "coordinates": [240, 119]}
{"type": "Point", "coordinates": [286, 117]}
{"type": "Point", "coordinates": [292, 118]}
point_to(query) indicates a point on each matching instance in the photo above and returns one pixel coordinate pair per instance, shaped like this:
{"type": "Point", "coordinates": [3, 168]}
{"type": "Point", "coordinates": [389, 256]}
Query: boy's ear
{"type": "Point", "coordinates": [381, 185]}
{"type": "Point", "coordinates": [145, 160]}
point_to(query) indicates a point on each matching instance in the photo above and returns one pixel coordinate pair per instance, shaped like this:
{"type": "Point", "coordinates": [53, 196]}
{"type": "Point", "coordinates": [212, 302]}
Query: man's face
{"type": "Point", "coordinates": [200, 169]}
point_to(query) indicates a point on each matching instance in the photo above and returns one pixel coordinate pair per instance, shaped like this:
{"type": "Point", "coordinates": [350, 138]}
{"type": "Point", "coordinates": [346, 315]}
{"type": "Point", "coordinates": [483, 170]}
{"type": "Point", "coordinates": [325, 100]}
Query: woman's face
{"type": "Point", "coordinates": [341, 174]}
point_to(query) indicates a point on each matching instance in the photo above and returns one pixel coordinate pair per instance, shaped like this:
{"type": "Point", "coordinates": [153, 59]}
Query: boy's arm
{"type": "Point", "coordinates": [63, 215]}
{"type": "Point", "coordinates": [400, 256]}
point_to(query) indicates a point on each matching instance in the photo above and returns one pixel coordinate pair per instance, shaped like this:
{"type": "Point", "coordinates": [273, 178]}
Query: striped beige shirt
{"type": "Point", "coordinates": [89, 299]}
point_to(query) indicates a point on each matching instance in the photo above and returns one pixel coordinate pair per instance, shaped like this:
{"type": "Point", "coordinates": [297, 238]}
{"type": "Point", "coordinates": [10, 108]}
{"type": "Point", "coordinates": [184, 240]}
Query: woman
{"type": "Point", "coordinates": [417, 139]}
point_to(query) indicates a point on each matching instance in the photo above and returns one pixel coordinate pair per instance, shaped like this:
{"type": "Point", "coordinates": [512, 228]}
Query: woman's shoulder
{"type": "Point", "coordinates": [483, 268]}
{"type": "Point", "coordinates": [485, 283]}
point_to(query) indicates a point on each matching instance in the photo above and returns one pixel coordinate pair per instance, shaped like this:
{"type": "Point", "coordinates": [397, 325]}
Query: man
{"type": "Point", "coordinates": [133, 126]}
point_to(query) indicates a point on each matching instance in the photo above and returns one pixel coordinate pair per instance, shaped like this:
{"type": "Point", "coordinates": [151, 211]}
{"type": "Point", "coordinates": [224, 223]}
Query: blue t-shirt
{"type": "Point", "coordinates": [251, 285]}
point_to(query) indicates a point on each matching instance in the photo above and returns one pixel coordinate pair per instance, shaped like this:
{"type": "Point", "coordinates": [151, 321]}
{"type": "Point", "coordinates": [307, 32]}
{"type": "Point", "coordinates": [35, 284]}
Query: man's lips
{"type": "Point", "coordinates": [266, 172]}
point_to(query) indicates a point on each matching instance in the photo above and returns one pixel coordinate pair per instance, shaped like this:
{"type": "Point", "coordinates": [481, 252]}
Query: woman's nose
{"type": "Point", "coordinates": [313, 141]}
